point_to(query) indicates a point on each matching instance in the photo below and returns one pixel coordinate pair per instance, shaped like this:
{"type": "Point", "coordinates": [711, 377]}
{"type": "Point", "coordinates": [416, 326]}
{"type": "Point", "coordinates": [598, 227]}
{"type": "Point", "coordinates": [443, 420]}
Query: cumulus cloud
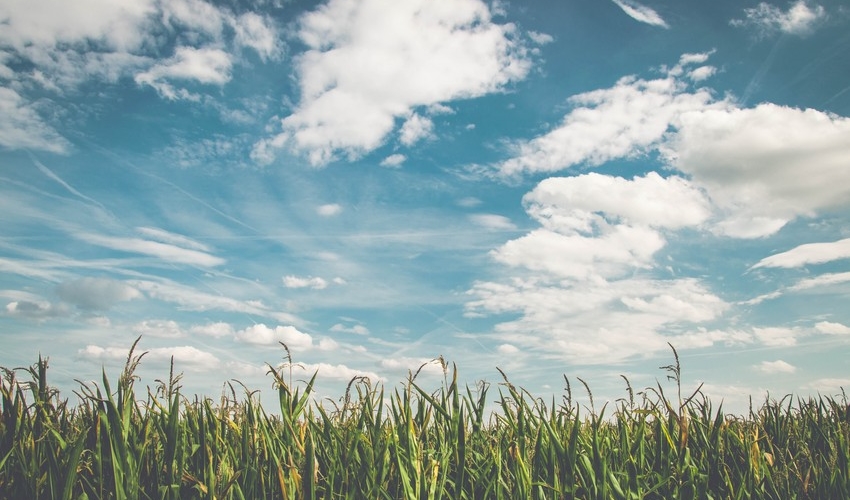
{"type": "Point", "coordinates": [831, 328]}
{"type": "Point", "coordinates": [370, 62]}
{"type": "Point", "coordinates": [416, 128]}
{"type": "Point", "coordinates": [800, 19]}
{"type": "Point", "coordinates": [96, 293]}
{"type": "Point", "coordinates": [641, 13]}
{"type": "Point", "coordinates": [628, 119]}
{"type": "Point", "coordinates": [810, 253]}
{"type": "Point", "coordinates": [394, 160]}
{"type": "Point", "coordinates": [748, 161]}
{"type": "Point", "coordinates": [578, 283]}
{"type": "Point", "coordinates": [575, 204]}
{"type": "Point", "coordinates": [206, 66]}
{"type": "Point", "coordinates": [261, 334]}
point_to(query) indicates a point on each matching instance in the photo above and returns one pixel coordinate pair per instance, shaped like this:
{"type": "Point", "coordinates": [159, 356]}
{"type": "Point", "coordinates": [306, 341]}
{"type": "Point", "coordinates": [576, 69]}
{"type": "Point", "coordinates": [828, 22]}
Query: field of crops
{"type": "Point", "coordinates": [412, 443]}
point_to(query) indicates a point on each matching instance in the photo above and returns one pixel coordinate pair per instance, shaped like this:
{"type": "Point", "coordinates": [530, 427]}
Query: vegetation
{"type": "Point", "coordinates": [411, 444]}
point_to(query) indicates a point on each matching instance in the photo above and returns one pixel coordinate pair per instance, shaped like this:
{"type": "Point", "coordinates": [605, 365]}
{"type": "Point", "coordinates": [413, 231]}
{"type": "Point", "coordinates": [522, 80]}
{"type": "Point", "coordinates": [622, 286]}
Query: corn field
{"type": "Point", "coordinates": [411, 443]}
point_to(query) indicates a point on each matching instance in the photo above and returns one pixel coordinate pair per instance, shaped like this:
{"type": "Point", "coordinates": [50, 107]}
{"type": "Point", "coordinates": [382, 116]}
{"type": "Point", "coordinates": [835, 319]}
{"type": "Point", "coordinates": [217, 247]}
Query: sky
{"type": "Point", "coordinates": [551, 188]}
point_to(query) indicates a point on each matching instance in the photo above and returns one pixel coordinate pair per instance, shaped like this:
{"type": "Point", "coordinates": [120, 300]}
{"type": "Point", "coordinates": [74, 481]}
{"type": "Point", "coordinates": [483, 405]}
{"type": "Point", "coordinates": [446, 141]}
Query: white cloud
{"type": "Point", "coordinates": [328, 345]}
{"type": "Point", "coordinates": [493, 221]}
{"type": "Point", "coordinates": [416, 128]}
{"type": "Point", "coordinates": [191, 299]}
{"type": "Point", "coordinates": [195, 16]}
{"type": "Point", "coordinates": [641, 13]}
{"type": "Point", "coordinates": [164, 251]}
{"type": "Point", "coordinates": [115, 23]}
{"type": "Point", "coordinates": [205, 65]}
{"type": "Point", "coordinates": [778, 366]}
{"type": "Point", "coordinates": [329, 210]}
{"type": "Point", "coordinates": [172, 238]}
{"type": "Point", "coordinates": [507, 350]}
{"type": "Point", "coordinates": [96, 293]}
{"type": "Point", "coordinates": [23, 128]}
{"type": "Point", "coordinates": [370, 62]}
{"type": "Point", "coordinates": [625, 120]}
{"type": "Point", "coordinates": [578, 286]}
{"type": "Point", "coordinates": [158, 328]}
{"type": "Point", "coordinates": [257, 33]}
{"type": "Point", "coordinates": [184, 356]}
{"type": "Point", "coordinates": [751, 161]}
{"type": "Point", "coordinates": [810, 253]}
{"type": "Point", "coordinates": [596, 321]}
{"type": "Point", "coordinates": [821, 281]}
{"type": "Point", "coordinates": [540, 38]}
{"type": "Point", "coordinates": [356, 329]}
{"type": "Point", "coordinates": [747, 160]}
{"type": "Point", "coordinates": [315, 283]}
{"type": "Point", "coordinates": [831, 328]}
{"type": "Point", "coordinates": [427, 366]}
{"type": "Point", "coordinates": [393, 160]}
{"type": "Point", "coordinates": [341, 372]}
{"type": "Point", "coordinates": [800, 19]}
{"type": "Point", "coordinates": [263, 335]}
{"type": "Point", "coordinates": [573, 204]}
{"type": "Point", "coordinates": [778, 336]}
{"type": "Point", "coordinates": [702, 73]}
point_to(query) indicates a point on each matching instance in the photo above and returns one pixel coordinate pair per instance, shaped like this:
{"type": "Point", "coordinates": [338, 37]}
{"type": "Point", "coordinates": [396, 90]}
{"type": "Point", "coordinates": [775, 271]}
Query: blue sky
{"type": "Point", "coordinates": [548, 187]}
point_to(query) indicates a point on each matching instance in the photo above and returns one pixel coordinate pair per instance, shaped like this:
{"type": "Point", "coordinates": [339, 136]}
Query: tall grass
{"type": "Point", "coordinates": [412, 443]}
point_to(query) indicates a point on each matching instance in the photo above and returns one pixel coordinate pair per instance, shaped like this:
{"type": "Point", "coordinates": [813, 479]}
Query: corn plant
{"type": "Point", "coordinates": [413, 442]}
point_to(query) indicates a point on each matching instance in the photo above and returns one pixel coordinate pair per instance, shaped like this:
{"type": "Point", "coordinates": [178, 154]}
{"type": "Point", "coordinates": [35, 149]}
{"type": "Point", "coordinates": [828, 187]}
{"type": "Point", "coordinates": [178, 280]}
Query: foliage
{"type": "Point", "coordinates": [411, 444]}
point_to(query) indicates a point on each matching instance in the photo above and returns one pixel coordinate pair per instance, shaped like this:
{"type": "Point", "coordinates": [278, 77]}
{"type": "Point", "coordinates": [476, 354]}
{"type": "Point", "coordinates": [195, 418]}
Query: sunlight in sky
{"type": "Point", "coordinates": [545, 187]}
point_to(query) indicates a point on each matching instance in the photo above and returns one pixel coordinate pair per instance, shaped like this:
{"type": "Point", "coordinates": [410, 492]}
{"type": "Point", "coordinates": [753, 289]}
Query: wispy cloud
{"type": "Point", "coordinates": [642, 13]}
{"type": "Point", "coordinates": [164, 251]}
{"type": "Point", "coordinates": [800, 19]}
{"type": "Point", "coordinates": [810, 253]}
{"type": "Point", "coordinates": [23, 128]}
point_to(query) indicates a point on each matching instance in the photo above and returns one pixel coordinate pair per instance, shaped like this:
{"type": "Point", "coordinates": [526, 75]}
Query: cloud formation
{"type": "Point", "coordinates": [641, 13]}
{"type": "Point", "coordinates": [810, 253]}
{"type": "Point", "coordinates": [370, 62]}
{"type": "Point", "coordinates": [800, 19]}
